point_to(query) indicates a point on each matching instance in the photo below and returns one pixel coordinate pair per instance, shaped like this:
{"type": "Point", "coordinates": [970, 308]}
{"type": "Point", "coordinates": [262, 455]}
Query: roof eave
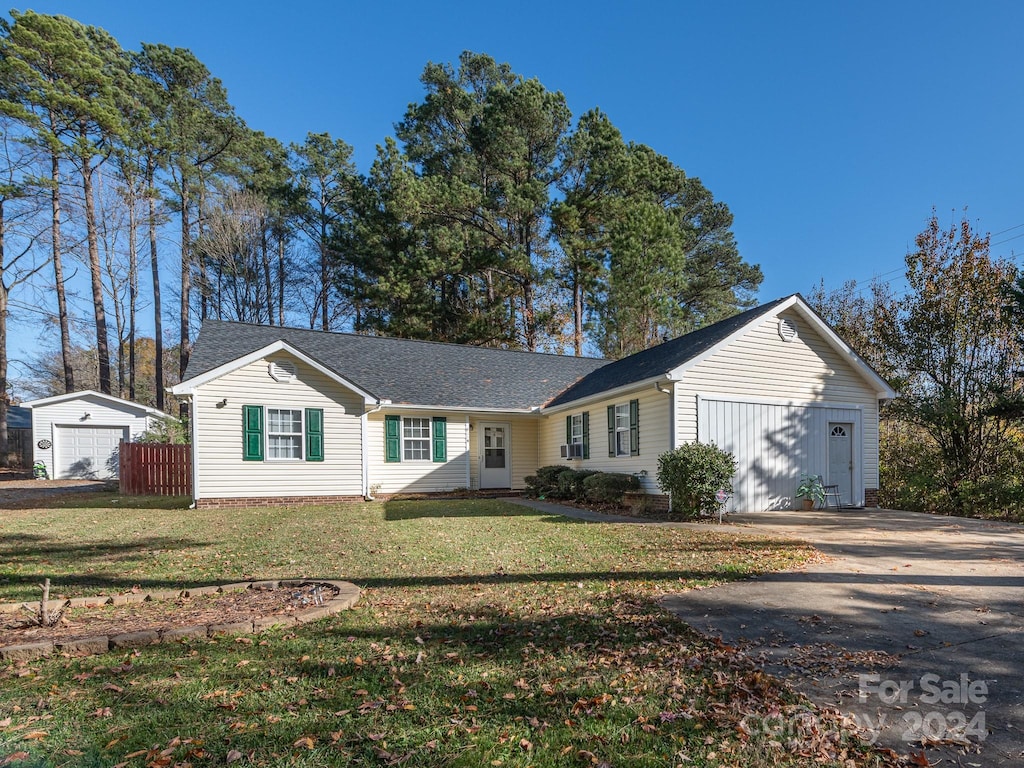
{"type": "Point", "coordinates": [606, 394]}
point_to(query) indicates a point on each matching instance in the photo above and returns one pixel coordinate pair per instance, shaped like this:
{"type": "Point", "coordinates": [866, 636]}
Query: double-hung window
{"type": "Point", "coordinates": [284, 433]}
{"type": "Point", "coordinates": [576, 429]}
{"type": "Point", "coordinates": [415, 439]}
{"type": "Point", "coordinates": [624, 429]}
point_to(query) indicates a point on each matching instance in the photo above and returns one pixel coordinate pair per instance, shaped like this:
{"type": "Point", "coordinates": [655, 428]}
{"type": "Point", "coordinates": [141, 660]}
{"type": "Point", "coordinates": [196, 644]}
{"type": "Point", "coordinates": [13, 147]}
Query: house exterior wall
{"type": "Point", "coordinates": [523, 442]}
{"type": "Point", "coordinates": [46, 420]}
{"type": "Point", "coordinates": [221, 472]}
{"type": "Point", "coordinates": [760, 367]}
{"type": "Point", "coordinates": [655, 419]}
{"type": "Point", "coordinates": [462, 470]}
{"type": "Point", "coordinates": [422, 476]}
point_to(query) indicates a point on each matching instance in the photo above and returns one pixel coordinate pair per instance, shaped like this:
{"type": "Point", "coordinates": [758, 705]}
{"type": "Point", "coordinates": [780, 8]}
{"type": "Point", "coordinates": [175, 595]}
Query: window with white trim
{"type": "Point", "coordinates": [415, 439]}
{"type": "Point", "coordinates": [622, 429]}
{"type": "Point", "coordinates": [576, 429]}
{"type": "Point", "coordinates": [284, 433]}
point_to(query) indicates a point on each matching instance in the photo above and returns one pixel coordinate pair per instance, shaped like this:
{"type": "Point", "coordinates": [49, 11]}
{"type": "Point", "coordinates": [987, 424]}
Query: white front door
{"type": "Point", "coordinates": [495, 456]}
{"type": "Point", "coordinates": [840, 459]}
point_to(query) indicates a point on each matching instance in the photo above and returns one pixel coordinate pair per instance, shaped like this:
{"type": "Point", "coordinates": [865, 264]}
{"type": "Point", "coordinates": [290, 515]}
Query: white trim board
{"type": "Point", "coordinates": [733, 398]}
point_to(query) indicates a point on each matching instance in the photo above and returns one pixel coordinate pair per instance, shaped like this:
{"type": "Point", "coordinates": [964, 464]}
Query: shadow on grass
{"type": "Point", "coordinates": [413, 509]}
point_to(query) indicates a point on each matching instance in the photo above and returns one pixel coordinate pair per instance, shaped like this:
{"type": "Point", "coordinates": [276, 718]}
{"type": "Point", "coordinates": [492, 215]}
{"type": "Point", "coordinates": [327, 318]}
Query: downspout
{"type": "Point", "coordinates": [364, 430]}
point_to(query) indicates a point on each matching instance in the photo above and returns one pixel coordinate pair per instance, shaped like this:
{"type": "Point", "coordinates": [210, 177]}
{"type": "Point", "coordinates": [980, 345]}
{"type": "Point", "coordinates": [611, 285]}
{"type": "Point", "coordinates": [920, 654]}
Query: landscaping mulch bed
{"type": "Point", "coordinates": [220, 608]}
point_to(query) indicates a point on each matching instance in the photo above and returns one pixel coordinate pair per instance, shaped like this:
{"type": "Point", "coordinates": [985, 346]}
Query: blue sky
{"type": "Point", "coordinates": [831, 129]}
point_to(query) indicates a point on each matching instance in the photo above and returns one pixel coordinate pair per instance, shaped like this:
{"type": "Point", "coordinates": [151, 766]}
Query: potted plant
{"type": "Point", "coordinates": [811, 490]}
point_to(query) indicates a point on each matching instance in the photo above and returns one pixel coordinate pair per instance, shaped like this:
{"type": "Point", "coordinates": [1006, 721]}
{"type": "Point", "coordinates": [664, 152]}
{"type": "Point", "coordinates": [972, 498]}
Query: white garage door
{"type": "Point", "coordinates": [88, 452]}
{"type": "Point", "coordinates": [775, 443]}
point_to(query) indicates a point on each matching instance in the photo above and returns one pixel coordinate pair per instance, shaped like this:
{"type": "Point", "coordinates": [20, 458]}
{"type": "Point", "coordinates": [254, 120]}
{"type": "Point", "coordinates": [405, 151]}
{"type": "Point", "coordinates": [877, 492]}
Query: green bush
{"type": "Point", "coordinates": [570, 483]}
{"type": "Point", "coordinates": [544, 483]}
{"type": "Point", "coordinates": [694, 473]}
{"type": "Point", "coordinates": [609, 487]}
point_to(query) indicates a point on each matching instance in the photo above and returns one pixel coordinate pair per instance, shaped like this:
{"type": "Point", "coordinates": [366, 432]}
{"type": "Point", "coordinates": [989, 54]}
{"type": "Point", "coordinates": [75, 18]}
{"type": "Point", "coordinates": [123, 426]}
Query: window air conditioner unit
{"type": "Point", "coordinates": [572, 451]}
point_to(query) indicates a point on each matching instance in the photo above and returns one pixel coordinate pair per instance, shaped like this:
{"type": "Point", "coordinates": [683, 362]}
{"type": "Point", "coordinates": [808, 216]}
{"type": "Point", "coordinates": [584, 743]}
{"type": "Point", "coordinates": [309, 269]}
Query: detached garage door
{"type": "Point", "coordinates": [88, 452]}
{"type": "Point", "coordinates": [775, 443]}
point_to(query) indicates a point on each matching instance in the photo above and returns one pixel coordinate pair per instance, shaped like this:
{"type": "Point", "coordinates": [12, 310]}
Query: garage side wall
{"type": "Point", "coordinates": [222, 473]}
{"type": "Point", "coordinates": [57, 421]}
{"type": "Point", "coordinates": [762, 368]}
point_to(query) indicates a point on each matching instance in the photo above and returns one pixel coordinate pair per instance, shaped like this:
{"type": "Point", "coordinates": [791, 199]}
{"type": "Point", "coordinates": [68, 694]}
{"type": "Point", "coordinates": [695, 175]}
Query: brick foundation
{"type": "Point", "coordinates": [646, 502]}
{"type": "Point", "coordinates": [274, 501]}
{"type": "Point", "coordinates": [870, 497]}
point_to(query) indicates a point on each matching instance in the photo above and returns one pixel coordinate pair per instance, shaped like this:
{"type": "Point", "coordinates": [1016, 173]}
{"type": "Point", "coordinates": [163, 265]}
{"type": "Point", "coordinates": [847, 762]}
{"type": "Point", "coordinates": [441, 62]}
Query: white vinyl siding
{"type": "Point", "coordinates": [220, 470]}
{"type": "Point", "coordinates": [762, 369]}
{"type": "Point", "coordinates": [420, 475]}
{"type": "Point", "coordinates": [773, 444]}
{"type": "Point", "coordinates": [654, 420]}
{"type": "Point", "coordinates": [62, 422]}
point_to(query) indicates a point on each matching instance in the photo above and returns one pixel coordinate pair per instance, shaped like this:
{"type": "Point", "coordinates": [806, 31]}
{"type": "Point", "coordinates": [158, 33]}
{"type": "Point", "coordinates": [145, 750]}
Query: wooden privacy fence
{"type": "Point", "coordinates": [155, 470]}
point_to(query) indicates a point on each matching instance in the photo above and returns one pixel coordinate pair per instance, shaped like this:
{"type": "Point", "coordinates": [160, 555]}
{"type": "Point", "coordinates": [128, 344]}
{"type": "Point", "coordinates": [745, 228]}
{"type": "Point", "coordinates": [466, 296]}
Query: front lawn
{"type": "Point", "coordinates": [487, 635]}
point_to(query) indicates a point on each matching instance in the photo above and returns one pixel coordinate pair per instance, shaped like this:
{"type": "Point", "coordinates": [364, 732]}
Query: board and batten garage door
{"type": "Point", "coordinates": [87, 452]}
{"type": "Point", "coordinates": [775, 443]}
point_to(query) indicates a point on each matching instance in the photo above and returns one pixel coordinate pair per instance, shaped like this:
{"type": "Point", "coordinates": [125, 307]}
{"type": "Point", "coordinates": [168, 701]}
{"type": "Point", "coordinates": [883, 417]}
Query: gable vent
{"type": "Point", "coordinates": [282, 370]}
{"type": "Point", "coordinates": [787, 329]}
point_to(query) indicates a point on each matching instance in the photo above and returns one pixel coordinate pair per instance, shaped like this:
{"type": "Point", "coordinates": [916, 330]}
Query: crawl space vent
{"type": "Point", "coordinates": [787, 329]}
{"type": "Point", "coordinates": [283, 371]}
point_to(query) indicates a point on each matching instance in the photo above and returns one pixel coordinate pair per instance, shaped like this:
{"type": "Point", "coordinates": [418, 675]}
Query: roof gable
{"type": "Point", "coordinates": [110, 400]}
{"type": "Point", "coordinates": [671, 360]}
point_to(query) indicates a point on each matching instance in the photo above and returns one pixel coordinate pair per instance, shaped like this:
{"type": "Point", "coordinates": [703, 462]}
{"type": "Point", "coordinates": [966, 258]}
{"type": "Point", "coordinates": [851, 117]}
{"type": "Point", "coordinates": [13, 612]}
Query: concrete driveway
{"type": "Point", "coordinates": [912, 624]}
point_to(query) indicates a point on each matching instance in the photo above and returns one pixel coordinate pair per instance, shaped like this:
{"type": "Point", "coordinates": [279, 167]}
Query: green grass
{"type": "Point", "coordinates": [487, 634]}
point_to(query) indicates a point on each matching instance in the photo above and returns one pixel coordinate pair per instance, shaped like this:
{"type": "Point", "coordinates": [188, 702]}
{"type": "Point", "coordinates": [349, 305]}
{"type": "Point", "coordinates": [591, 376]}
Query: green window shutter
{"type": "Point", "coordinates": [634, 427]}
{"type": "Point", "coordinates": [586, 434]}
{"type": "Point", "coordinates": [314, 434]}
{"type": "Point", "coordinates": [392, 438]}
{"type": "Point", "coordinates": [252, 433]}
{"type": "Point", "coordinates": [439, 425]}
{"type": "Point", "coordinates": [611, 430]}
{"type": "Point", "coordinates": [568, 429]}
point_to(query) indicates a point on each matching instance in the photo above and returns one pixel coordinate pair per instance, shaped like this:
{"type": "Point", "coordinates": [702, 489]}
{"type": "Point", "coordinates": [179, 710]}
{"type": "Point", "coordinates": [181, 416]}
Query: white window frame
{"type": "Point", "coordinates": [408, 440]}
{"type": "Point", "coordinates": [621, 432]}
{"type": "Point", "coordinates": [301, 434]}
{"type": "Point", "coordinates": [576, 429]}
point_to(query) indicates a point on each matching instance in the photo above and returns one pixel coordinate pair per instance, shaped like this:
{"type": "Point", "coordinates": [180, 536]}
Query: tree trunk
{"type": "Point", "coordinates": [102, 349]}
{"type": "Point", "coordinates": [4, 439]}
{"type": "Point", "coordinates": [268, 278]}
{"type": "Point", "coordinates": [133, 288]}
{"type": "Point", "coordinates": [158, 332]}
{"type": "Point", "coordinates": [58, 276]}
{"type": "Point", "coordinates": [186, 276]}
{"type": "Point", "coordinates": [577, 312]}
{"type": "Point", "coordinates": [280, 279]}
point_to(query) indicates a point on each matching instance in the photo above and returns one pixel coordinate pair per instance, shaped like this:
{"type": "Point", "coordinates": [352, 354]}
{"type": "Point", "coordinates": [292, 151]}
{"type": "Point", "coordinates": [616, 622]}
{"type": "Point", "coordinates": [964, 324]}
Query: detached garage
{"type": "Point", "coordinates": [77, 435]}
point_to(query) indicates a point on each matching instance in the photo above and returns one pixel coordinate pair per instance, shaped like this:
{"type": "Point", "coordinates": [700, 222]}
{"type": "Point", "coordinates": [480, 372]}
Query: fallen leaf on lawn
{"type": "Point", "coordinates": [112, 687]}
{"type": "Point", "coordinates": [14, 757]}
{"type": "Point", "coordinates": [35, 735]}
{"type": "Point", "coordinates": [305, 741]}
{"type": "Point", "coordinates": [233, 756]}
{"type": "Point", "coordinates": [137, 753]}
{"type": "Point", "coordinates": [103, 712]}
{"type": "Point", "coordinates": [919, 758]}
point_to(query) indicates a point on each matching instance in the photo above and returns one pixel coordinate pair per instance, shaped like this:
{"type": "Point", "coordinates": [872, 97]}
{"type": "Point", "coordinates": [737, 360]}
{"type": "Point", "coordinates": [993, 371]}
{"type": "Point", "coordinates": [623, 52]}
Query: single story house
{"type": "Point", "coordinates": [78, 434]}
{"type": "Point", "coordinates": [282, 414]}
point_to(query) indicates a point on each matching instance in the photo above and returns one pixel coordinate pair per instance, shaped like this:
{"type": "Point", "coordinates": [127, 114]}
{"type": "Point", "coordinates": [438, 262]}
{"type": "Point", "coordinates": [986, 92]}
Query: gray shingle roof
{"type": "Point", "coordinates": [403, 370]}
{"type": "Point", "coordinates": [430, 373]}
{"type": "Point", "coordinates": [659, 360]}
